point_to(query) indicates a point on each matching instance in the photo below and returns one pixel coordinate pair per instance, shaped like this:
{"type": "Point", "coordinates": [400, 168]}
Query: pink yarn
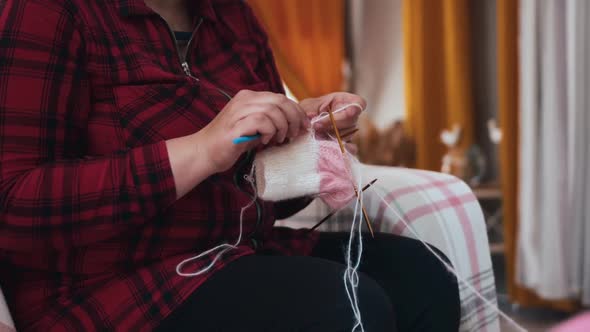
{"type": "Point", "coordinates": [336, 184]}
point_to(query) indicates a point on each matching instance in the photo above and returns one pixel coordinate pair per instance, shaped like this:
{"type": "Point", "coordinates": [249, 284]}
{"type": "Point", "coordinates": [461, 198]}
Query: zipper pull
{"type": "Point", "coordinates": [187, 71]}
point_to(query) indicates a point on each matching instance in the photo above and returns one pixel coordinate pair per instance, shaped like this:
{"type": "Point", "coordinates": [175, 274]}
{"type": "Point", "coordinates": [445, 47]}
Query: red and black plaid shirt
{"type": "Point", "coordinates": [90, 230]}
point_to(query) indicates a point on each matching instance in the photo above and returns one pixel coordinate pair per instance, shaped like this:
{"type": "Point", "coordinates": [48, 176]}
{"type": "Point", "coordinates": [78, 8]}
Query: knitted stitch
{"type": "Point", "coordinates": [304, 167]}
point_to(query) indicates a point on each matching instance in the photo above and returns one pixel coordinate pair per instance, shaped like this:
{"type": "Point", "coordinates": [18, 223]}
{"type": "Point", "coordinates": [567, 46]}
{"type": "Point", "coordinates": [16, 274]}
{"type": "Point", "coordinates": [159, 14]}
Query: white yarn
{"type": "Point", "coordinates": [288, 171]}
{"type": "Point", "coordinates": [222, 247]}
{"type": "Point", "coordinates": [351, 278]}
{"type": "Point", "coordinates": [488, 303]}
{"type": "Point", "coordinates": [324, 115]}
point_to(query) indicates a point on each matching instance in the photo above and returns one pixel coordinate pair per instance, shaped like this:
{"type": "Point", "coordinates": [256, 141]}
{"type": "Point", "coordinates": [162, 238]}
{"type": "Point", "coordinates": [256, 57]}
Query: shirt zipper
{"type": "Point", "coordinates": [183, 62]}
{"type": "Point", "coordinates": [187, 71]}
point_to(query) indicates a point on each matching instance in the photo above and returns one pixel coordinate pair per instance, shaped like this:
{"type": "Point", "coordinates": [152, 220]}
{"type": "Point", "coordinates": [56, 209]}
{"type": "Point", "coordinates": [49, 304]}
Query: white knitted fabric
{"type": "Point", "coordinates": [288, 171]}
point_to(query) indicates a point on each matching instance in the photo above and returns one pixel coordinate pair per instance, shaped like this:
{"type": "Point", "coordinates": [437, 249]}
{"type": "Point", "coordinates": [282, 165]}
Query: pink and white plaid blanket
{"type": "Point", "coordinates": [444, 212]}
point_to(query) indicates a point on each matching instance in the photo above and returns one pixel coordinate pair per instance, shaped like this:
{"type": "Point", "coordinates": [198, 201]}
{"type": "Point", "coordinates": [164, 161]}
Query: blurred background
{"type": "Point", "coordinates": [494, 92]}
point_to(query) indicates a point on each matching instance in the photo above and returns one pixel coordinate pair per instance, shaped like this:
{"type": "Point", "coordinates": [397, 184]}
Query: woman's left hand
{"type": "Point", "coordinates": [346, 120]}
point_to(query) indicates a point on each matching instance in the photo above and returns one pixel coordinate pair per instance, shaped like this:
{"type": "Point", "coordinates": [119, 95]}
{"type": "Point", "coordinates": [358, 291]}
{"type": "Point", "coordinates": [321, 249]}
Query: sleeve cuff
{"type": "Point", "coordinates": [153, 178]}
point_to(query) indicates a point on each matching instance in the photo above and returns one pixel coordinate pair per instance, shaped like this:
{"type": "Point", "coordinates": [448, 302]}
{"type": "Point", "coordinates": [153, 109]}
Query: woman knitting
{"type": "Point", "coordinates": [117, 162]}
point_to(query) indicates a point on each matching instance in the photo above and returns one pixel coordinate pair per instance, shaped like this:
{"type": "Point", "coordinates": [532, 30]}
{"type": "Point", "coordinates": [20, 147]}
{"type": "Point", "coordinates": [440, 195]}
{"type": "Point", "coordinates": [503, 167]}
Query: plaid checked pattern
{"type": "Point", "coordinates": [444, 212]}
{"type": "Point", "coordinates": [90, 230]}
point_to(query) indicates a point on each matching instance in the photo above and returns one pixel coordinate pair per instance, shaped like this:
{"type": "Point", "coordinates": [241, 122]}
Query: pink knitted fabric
{"type": "Point", "coordinates": [307, 166]}
{"type": "Point", "coordinates": [336, 180]}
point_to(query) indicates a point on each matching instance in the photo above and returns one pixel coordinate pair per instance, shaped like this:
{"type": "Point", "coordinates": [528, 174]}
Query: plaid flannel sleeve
{"type": "Point", "coordinates": [51, 197]}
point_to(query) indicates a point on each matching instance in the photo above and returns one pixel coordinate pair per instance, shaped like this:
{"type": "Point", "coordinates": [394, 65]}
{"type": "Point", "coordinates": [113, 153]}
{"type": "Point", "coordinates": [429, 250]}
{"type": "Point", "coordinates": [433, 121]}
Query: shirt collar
{"type": "Point", "coordinates": [202, 8]}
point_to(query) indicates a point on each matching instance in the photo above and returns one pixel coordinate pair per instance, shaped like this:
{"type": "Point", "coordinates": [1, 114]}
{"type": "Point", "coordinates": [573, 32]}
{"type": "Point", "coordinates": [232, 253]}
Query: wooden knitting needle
{"type": "Point", "coordinates": [334, 212]}
{"type": "Point", "coordinates": [349, 133]}
{"type": "Point", "coordinates": [356, 192]}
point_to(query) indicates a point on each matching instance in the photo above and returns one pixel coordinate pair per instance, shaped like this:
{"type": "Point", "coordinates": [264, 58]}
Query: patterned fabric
{"type": "Point", "coordinates": [444, 212]}
{"type": "Point", "coordinates": [90, 231]}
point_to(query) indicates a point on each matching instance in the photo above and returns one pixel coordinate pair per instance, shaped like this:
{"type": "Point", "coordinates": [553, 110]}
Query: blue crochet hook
{"type": "Point", "coordinates": [245, 139]}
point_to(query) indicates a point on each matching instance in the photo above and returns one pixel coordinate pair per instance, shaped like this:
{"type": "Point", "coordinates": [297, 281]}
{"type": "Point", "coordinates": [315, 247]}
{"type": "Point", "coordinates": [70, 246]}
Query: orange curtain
{"type": "Point", "coordinates": [307, 38]}
{"type": "Point", "coordinates": [507, 29]}
{"type": "Point", "coordinates": [437, 75]}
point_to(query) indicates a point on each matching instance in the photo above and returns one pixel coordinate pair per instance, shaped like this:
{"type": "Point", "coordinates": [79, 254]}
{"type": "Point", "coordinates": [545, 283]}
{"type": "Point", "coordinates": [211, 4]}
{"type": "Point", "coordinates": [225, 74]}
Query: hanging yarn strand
{"type": "Point", "coordinates": [351, 278]}
{"type": "Point", "coordinates": [452, 270]}
{"type": "Point", "coordinates": [222, 248]}
{"type": "Point", "coordinates": [344, 153]}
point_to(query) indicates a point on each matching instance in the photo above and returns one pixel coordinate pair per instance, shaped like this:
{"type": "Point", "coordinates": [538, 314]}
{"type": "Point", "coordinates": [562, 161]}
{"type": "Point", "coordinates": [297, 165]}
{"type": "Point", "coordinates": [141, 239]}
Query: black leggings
{"type": "Point", "coordinates": [402, 288]}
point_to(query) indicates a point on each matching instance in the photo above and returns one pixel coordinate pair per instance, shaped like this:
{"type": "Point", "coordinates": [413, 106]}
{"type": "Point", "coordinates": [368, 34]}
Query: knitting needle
{"type": "Point", "coordinates": [334, 212]}
{"type": "Point", "coordinates": [347, 134]}
{"type": "Point", "coordinates": [245, 139]}
{"type": "Point", "coordinates": [337, 132]}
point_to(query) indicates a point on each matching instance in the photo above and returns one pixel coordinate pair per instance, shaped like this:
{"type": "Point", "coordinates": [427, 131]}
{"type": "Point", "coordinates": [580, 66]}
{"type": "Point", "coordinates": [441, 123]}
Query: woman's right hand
{"type": "Point", "coordinates": [211, 150]}
{"type": "Point", "coordinates": [272, 115]}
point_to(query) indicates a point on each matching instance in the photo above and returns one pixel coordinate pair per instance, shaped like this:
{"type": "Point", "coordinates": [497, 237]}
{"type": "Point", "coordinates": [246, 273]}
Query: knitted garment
{"type": "Point", "coordinates": [305, 167]}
